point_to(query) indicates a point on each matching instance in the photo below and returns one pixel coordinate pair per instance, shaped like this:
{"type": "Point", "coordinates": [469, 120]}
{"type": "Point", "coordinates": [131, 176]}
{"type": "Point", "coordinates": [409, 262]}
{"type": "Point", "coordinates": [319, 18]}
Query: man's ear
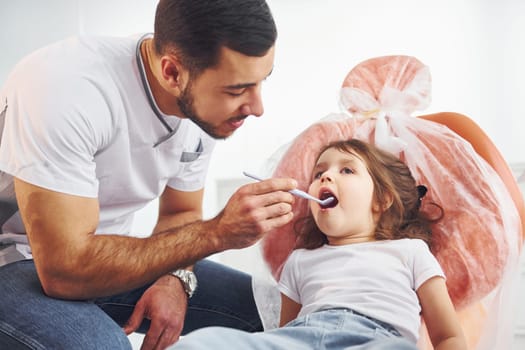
{"type": "Point", "coordinates": [172, 72]}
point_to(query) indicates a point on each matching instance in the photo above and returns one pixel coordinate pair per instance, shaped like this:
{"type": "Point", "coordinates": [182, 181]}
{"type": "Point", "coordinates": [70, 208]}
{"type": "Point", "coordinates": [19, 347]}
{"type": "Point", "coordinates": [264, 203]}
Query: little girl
{"type": "Point", "coordinates": [362, 275]}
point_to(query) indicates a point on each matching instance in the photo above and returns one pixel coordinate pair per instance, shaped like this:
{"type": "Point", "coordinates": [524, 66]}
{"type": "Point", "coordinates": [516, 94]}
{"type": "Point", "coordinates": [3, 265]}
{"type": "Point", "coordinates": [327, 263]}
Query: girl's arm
{"type": "Point", "coordinates": [289, 310]}
{"type": "Point", "coordinates": [440, 316]}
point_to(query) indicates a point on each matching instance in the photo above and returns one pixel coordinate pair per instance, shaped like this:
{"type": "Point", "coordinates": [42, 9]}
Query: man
{"type": "Point", "coordinates": [93, 130]}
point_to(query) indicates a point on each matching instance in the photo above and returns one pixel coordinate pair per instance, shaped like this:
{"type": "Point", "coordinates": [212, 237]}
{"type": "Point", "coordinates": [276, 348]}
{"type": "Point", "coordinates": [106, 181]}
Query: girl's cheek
{"type": "Point", "coordinates": [313, 189]}
{"type": "Point", "coordinates": [312, 207]}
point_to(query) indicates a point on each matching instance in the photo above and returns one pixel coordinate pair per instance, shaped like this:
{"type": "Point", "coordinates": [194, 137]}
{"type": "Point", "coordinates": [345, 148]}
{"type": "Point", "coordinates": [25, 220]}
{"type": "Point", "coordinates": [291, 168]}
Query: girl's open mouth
{"type": "Point", "coordinates": [327, 194]}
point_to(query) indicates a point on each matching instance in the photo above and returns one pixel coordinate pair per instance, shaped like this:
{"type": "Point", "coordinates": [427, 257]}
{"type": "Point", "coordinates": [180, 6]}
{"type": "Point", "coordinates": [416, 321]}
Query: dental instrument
{"type": "Point", "coordinates": [298, 193]}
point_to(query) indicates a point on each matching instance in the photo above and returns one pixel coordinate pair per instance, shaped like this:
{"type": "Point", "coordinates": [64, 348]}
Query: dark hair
{"type": "Point", "coordinates": [393, 180]}
{"type": "Point", "coordinates": [197, 29]}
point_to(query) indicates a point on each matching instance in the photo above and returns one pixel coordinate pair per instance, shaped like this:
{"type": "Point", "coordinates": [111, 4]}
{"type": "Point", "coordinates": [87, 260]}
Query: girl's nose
{"type": "Point", "coordinates": [326, 177]}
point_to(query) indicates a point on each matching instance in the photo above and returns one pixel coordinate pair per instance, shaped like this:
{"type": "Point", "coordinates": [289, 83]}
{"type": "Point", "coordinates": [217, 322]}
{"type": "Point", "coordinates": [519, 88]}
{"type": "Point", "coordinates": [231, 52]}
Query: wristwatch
{"type": "Point", "coordinates": [188, 280]}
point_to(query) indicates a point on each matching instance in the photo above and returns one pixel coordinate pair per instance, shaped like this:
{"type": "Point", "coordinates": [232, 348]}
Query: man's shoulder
{"type": "Point", "coordinates": [106, 45]}
{"type": "Point", "coordinates": [98, 64]}
{"type": "Point", "coordinates": [81, 51]}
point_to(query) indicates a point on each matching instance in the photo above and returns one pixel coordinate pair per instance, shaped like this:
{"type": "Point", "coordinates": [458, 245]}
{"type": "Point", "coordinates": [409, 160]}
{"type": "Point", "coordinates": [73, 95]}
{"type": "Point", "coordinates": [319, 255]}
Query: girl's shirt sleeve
{"type": "Point", "coordinates": [425, 264]}
{"type": "Point", "coordinates": [288, 282]}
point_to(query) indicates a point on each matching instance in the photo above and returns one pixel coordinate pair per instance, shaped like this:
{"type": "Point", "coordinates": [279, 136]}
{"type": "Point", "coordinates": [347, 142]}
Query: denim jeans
{"type": "Point", "coordinates": [334, 329]}
{"type": "Point", "coordinates": [31, 320]}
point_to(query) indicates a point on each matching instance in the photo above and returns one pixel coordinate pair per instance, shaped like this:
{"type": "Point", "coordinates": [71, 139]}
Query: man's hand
{"type": "Point", "coordinates": [165, 304]}
{"type": "Point", "coordinates": [253, 210]}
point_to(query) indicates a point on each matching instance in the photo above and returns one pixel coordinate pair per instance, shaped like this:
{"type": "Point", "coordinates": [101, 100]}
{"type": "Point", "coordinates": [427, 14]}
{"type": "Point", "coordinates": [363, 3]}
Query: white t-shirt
{"type": "Point", "coordinates": [76, 119]}
{"type": "Point", "coordinates": [378, 279]}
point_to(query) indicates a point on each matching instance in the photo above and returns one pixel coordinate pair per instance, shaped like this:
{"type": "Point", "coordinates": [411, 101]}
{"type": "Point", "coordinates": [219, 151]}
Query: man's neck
{"type": "Point", "coordinates": [162, 98]}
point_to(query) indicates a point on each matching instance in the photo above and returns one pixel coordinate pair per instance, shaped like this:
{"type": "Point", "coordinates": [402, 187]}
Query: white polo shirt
{"type": "Point", "coordinates": [76, 119]}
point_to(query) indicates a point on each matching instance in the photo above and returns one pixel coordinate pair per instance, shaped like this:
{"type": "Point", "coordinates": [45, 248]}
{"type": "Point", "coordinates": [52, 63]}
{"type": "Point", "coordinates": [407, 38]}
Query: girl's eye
{"type": "Point", "coordinates": [346, 170]}
{"type": "Point", "coordinates": [318, 174]}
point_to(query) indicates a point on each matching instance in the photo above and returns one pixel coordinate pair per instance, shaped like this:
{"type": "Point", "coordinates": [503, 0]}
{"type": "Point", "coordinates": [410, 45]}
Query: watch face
{"type": "Point", "coordinates": [192, 281]}
{"type": "Point", "coordinates": [188, 279]}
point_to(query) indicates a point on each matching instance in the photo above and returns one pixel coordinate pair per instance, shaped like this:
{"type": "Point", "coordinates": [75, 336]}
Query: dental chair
{"type": "Point", "coordinates": [479, 239]}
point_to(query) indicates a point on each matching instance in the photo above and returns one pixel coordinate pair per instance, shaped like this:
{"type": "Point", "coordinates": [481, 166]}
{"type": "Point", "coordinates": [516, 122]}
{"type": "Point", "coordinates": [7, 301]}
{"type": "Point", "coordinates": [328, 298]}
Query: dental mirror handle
{"type": "Point", "coordinates": [296, 192]}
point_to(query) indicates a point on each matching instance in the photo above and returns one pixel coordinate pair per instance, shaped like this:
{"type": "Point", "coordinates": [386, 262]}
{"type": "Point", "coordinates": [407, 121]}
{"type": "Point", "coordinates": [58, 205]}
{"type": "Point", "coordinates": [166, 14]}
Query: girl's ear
{"type": "Point", "coordinates": [389, 199]}
{"type": "Point", "coordinates": [382, 206]}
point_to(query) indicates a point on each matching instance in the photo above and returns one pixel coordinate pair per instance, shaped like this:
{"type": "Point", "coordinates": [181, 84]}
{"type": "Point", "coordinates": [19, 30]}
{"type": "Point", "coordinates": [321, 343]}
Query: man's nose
{"type": "Point", "coordinates": [254, 106]}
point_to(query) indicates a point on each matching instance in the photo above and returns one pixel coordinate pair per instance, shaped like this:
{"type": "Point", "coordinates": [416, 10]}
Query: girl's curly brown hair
{"type": "Point", "coordinates": [393, 182]}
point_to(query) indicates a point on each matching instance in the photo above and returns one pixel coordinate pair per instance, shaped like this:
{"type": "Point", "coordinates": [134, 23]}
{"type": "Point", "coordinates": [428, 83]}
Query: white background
{"type": "Point", "coordinates": [474, 48]}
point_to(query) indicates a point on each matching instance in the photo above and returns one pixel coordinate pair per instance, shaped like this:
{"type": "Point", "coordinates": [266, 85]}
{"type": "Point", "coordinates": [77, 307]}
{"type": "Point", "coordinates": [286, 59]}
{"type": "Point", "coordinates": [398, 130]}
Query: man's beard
{"type": "Point", "coordinates": [185, 103]}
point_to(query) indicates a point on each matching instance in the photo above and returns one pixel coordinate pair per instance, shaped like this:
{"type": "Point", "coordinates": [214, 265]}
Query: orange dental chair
{"type": "Point", "coordinates": [472, 316]}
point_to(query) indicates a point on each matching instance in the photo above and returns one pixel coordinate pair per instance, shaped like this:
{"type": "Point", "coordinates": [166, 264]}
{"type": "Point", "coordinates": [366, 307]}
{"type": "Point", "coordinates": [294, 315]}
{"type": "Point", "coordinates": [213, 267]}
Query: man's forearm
{"type": "Point", "coordinates": [120, 263]}
{"type": "Point", "coordinates": [166, 223]}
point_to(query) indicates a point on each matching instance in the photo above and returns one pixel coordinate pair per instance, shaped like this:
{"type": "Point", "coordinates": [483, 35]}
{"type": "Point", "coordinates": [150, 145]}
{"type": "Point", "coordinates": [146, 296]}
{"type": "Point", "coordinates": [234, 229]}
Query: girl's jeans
{"type": "Point", "coordinates": [334, 329]}
{"type": "Point", "coordinates": [31, 320]}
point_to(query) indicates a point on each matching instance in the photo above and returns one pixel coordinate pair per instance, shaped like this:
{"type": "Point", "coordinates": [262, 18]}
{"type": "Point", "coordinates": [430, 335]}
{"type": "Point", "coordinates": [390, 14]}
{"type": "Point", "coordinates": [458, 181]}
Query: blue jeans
{"type": "Point", "coordinates": [31, 320]}
{"type": "Point", "coordinates": [335, 329]}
